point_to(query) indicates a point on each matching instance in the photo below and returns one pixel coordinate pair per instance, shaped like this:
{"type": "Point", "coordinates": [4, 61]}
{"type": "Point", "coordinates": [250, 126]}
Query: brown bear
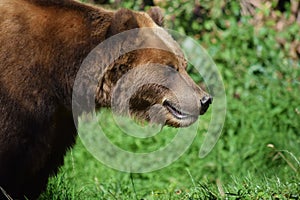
{"type": "Point", "coordinates": [42, 46]}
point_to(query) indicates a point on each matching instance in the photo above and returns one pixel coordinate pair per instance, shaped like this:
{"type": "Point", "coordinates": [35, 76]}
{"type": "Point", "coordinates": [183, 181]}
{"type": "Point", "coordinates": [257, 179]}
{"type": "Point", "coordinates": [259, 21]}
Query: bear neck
{"type": "Point", "coordinates": [72, 47]}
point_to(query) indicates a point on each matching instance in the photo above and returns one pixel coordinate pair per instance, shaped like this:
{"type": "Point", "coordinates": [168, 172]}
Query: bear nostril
{"type": "Point", "coordinates": [205, 101]}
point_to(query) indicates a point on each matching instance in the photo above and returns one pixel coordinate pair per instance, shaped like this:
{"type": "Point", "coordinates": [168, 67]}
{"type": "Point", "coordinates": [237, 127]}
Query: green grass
{"type": "Point", "coordinates": [266, 174]}
{"type": "Point", "coordinates": [258, 154]}
{"type": "Point", "coordinates": [83, 177]}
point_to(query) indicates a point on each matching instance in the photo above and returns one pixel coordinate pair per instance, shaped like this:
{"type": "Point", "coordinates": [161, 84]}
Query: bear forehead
{"type": "Point", "coordinates": [157, 36]}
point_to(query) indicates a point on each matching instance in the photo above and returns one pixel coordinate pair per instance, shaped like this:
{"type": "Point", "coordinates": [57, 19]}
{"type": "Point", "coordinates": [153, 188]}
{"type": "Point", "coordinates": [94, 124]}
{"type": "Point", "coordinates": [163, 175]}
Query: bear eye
{"type": "Point", "coordinates": [173, 67]}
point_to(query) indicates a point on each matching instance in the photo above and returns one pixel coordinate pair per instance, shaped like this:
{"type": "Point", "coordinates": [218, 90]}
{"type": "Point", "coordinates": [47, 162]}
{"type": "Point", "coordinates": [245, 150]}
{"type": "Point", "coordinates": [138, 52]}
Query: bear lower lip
{"type": "Point", "coordinates": [175, 112]}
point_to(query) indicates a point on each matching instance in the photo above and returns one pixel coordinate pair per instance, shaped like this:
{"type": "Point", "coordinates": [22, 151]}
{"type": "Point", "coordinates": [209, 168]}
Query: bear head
{"type": "Point", "coordinates": [148, 81]}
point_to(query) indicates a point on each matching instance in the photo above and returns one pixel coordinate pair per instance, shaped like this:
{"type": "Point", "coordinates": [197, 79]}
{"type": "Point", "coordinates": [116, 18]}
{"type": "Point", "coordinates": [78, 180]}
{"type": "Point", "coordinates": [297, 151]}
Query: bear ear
{"type": "Point", "coordinates": [157, 15]}
{"type": "Point", "coordinates": [123, 20]}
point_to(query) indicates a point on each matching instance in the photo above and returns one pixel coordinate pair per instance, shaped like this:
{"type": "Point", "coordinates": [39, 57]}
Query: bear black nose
{"type": "Point", "coordinates": [205, 102]}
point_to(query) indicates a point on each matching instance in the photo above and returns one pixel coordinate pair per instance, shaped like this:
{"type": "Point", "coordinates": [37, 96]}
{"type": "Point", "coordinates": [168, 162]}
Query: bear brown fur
{"type": "Point", "coordinates": [42, 45]}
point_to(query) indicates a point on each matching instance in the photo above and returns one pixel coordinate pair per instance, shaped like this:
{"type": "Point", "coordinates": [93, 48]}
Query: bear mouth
{"type": "Point", "coordinates": [181, 115]}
